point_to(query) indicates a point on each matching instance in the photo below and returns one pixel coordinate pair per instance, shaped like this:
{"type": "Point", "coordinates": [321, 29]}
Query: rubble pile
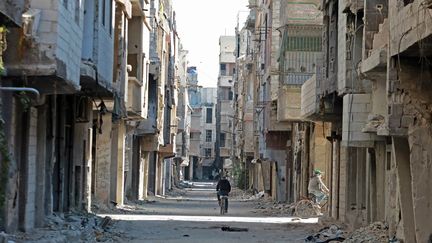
{"type": "Point", "coordinates": [176, 192]}
{"type": "Point", "coordinates": [271, 208]}
{"type": "Point", "coordinates": [302, 208]}
{"type": "Point", "coordinates": [127, 208]}
{"type": "Point", "coordinates": [332, 233]}
{"type": "Point", "coordinates": [71, 227]}
{"type": "Point", "coordinates": [376, 232]}
{"type": "Point", "coordinates": [242, 195]}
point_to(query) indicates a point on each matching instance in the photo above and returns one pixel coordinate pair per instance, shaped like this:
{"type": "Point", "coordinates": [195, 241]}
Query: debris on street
{"type": "Point", "coordinates": [332, 233]}
{"type": "Point", "coordinates": [242, 195]}
{"type": "Point", "coordinates": [302, 208]}
{"type": "Point", "coordinates": [234, 229]}
{"type": "Point", "coordinates": [373, 233]}
{"type": "Point", "coordinates": [70, 227]}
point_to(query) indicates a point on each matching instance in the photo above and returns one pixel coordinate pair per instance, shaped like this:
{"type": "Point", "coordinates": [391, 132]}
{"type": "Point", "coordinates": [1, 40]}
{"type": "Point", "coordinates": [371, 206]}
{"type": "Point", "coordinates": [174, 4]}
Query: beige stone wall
{"type": "Point", "coordinates": [103, 161]}
{"type": "Point", "coordinates": [420, 142]}
{"type": "Point", "coordinates": [289, 104]}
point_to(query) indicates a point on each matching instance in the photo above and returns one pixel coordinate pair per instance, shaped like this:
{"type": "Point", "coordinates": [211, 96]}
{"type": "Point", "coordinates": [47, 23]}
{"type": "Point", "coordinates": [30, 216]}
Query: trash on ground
{"type": "Point", "coordinates": [234, 229]}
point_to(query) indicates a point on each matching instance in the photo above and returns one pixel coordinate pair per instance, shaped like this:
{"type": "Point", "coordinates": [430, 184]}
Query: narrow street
{"type": "Point", "coordinates": [194, 217]}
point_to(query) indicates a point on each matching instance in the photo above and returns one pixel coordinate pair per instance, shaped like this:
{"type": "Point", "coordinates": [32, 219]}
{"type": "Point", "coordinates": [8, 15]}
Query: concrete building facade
{"type": "Point", "coordinates": [84, 94]}
{"type": "Point", "coordinates": [225, 105]}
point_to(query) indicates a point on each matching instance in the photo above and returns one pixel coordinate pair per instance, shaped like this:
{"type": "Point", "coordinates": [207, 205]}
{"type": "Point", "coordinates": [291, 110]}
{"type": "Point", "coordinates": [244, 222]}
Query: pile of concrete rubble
{"type": "Point", "coordinates": [302, 208]}
{"type": "Point", "coordinates": [332, 233]}
{"type": "Point", "coordinates": [242, 195]}
{"type": "Point", "coordinates": [74, 227]}
{"type": "Point", "coordinates": [376, 232]}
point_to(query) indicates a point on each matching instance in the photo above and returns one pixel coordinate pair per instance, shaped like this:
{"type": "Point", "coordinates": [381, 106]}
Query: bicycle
{"type": "Point", "coordinates": [223, 204]}
{"type": "Point", "coordinates": [323, 204]}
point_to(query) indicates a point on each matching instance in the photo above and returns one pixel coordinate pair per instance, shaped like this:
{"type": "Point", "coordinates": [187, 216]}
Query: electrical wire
{"type": "Point", "coordinates": [351, 101]}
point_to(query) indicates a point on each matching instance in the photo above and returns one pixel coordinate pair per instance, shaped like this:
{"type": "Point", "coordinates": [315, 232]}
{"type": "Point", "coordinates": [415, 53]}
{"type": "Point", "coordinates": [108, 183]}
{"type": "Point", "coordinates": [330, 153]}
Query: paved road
{"type": "Point", "coordinates": [194, 217]}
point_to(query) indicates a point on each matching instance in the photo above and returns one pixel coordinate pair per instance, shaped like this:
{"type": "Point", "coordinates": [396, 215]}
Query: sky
{"type": "Point", "coordinates": [199, 25]}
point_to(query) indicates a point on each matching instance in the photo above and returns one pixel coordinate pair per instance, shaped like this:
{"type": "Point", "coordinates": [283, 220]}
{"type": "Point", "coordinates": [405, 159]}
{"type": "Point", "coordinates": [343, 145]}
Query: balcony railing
{"type": "Point", "coordinates": [297, 78]}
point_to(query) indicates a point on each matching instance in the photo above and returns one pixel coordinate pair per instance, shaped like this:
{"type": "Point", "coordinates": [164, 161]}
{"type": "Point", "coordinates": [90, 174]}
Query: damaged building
{"type": "Point", "coordinates": [340, 86]}
{"type": "Point", "coordinates": [88, 105]}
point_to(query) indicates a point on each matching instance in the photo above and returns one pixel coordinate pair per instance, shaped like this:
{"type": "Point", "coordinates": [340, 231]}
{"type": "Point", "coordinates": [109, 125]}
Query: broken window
{"type": "Point", "coordinates": [222, 140]}
{"type": "Point", "coordinates": [209, 115]}
{"type": "Point", "coordinates": [208, 135]}
{"type": "Point", "coordinates": [223, 69]}
{"type": "Point", "coordinates": [207, 152]}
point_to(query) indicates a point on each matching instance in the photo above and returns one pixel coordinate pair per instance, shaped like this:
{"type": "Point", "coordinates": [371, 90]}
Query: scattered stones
{"type": "Point", "coordinates": [70, 227]}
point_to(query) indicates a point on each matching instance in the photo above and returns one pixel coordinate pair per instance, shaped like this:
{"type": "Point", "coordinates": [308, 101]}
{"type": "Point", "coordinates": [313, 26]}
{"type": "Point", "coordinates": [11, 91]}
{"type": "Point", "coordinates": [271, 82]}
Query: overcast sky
{"type": "Point", "coordinates": [199, 24]}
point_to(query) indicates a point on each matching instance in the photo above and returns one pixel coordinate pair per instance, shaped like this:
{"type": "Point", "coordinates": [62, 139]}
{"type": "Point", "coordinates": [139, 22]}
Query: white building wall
{"type": "Point", "coordinates": [227, 47]}
{"type": "Point", "coordinates": [342, 49]}
{"type": "Point", "coordinates": [69, 38]}
{"type": "Point", "coordinates": [30, 206]}
{"type": "Point", "coordinates": [356, 109]}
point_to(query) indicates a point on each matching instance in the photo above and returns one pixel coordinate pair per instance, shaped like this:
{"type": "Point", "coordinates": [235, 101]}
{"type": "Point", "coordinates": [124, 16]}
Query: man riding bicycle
{"type": "Point", "coordinates": [317, 187]}
{"type": "Point", "coordinates": [223, 188]}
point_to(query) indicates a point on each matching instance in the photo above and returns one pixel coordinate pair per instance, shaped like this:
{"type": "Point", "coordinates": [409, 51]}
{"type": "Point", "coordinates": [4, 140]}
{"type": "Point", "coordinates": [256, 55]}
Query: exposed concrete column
{"type": "Point", "coordinates": [343, 182]}
{"type": "Point", "coordinates": [145, 175]}
{"type": "Point", "coordinates": [380, 153]}
{"type": "Point", "coordinates": [392, 210]}
{"type": "Point", "coordinates": [87, 176]}
{"type": "Point", "coordinates": [402, 153]}
{"type": "Point", "coordinates": [30, 173]}
{"type": "Point", "coordinates": [360, 174]}
{"type": "Point", "coordinates": [370, 185]}
{"type": "Point", "coordinates": [41, 159]}
{"type": "Point", "coordinates": [420, 140]}
{"type": "Point", "coordinates": [159, 175]}
{"type": "Point", "coordinates": [191, 169]}
{"type": "Point", "coordinates": [50, 153]}
{"type": "Point", "coordinates": [103, 161]}
{"type": "Point", "coordinates": [118, 159]}
{"type": "Point", "coordinates": [335, 180]}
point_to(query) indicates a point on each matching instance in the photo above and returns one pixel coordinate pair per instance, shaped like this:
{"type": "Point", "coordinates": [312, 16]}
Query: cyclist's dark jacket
{"type": "Point", "coordinates": [223, 185]}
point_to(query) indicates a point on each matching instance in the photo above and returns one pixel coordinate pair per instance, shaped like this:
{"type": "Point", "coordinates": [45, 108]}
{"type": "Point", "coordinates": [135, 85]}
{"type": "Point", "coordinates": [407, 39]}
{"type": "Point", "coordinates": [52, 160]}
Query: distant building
{"type": "Point", "coordinates": [225, 103]}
